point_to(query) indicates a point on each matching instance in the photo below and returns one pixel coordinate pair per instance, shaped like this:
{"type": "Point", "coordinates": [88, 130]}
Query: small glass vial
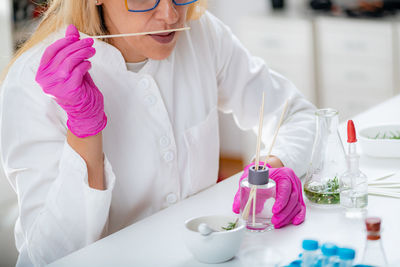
{"type": "Point", "coordinates": [374, 254]}
{"type": "Point", "coordinates": [257, 212]}
{"type": "Point", "coordinates": [310, 253]}
{"type": "Point", "coordinates": [329, 254]}
{"type": "Point", "coordinates": [346, 257]}
{"type": "Point", "coordinates": [354, 183]}
{"type": "Point", "coordinates": [354, 190]}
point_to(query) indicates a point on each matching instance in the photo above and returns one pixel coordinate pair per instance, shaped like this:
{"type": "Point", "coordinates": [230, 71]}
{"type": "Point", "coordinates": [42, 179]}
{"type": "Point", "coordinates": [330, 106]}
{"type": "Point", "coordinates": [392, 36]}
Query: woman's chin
{"type": "Point", "coordinates": [160, 55]}
{"type": "Point", "coordinates": [160, 51]}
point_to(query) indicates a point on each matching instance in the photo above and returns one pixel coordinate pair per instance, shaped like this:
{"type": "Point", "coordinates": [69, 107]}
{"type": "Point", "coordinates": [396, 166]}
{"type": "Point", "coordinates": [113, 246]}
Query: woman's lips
{"type": "Point", "coordinates": [163, 38]}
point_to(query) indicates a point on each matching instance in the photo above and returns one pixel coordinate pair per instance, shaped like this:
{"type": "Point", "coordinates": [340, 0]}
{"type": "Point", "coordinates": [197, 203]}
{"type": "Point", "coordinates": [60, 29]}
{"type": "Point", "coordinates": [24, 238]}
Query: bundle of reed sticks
{"type": "Point", "coordinates": [379, 187]}
{"type": "Point", "coordinates": [253, 191]}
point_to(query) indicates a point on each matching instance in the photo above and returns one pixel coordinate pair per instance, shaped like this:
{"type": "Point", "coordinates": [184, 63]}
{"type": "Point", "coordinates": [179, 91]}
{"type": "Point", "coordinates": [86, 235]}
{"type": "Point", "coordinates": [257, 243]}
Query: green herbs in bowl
{"type": "Point", "coordinates": [381, 140]}
{"type": "Point", "coordinates": [387, 135]}
{"type": "Point", "coordinates": [231, 225]}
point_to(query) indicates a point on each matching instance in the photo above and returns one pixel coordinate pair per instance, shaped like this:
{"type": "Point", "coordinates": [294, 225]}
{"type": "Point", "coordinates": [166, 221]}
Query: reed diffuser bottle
{"type": "Point", "coordinates": [261, 190]}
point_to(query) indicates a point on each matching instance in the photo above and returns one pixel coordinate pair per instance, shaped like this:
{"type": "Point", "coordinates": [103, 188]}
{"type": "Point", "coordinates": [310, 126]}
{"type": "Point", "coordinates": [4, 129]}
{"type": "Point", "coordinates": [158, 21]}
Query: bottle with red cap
{"type": "Point", "coordinates": [374, 255]}
{"type": "Point", "coordinates": [354, 183]}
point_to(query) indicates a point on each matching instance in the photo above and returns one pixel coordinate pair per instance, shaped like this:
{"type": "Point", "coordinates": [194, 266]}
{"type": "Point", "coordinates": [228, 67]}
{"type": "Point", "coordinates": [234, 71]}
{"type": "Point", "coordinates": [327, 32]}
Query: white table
{"type": "Point", "coordinates": [157, 240]}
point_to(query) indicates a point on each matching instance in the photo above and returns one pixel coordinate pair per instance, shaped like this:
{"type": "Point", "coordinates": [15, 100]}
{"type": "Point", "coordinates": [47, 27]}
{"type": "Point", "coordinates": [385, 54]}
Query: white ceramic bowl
{"type": "Point", "coordinates": [218, 246]}
{"type": "Point", "coordinates": [378, 147]}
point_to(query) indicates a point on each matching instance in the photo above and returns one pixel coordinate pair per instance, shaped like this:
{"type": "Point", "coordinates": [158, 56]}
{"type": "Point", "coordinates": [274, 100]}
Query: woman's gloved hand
{"type": "Point", "coordinates": [289, 205]}
{"type": "Point", "coordinates": [63, 74]}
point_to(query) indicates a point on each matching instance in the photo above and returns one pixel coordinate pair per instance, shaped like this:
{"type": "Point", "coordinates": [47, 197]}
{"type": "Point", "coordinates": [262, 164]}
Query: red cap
{"type": "Point", "coordinates": [373, 225]}
{"type": "Point", "coordinates": [351, 132]}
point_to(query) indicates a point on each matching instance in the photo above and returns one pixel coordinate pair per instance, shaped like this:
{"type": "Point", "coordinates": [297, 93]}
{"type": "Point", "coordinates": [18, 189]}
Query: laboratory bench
{"type": "Point", "coordinates": [157, 240]}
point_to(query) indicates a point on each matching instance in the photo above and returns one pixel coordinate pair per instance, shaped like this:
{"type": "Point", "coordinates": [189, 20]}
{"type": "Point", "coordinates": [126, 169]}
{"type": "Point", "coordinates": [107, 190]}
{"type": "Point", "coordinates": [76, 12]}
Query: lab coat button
{"type": "Point", "coordinates": [143, 84]}
{"type": "Point", "coordinates": [172, 198]}
{"type": "Point", "coordinates": [168, 156]}
{"type": "Point", "coordinates": [164, 141]}
{"type": "Point", "coordinates": [150, 100]}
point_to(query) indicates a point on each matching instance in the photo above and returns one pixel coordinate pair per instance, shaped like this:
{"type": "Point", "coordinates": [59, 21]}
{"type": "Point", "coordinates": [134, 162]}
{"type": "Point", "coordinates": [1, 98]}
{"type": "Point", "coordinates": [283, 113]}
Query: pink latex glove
{"type": "Point", "coordinates": [63, 74]}
{"type": "Point", "coordinates": [289, 205]}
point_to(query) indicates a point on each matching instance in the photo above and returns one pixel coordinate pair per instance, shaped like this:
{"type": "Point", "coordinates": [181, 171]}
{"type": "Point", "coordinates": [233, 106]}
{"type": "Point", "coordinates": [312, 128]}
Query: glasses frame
{"type": "Point", "coordinates": [158, 1]}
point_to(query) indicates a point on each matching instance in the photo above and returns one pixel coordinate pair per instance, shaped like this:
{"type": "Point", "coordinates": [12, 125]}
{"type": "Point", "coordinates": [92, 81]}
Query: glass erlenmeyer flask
{"type": "Point", "coordinates": [327, 161]}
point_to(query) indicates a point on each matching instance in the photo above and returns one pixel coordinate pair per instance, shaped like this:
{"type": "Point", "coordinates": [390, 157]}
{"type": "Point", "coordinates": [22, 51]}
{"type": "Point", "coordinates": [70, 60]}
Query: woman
{"type": "Point", "coordinates": [91, 146]}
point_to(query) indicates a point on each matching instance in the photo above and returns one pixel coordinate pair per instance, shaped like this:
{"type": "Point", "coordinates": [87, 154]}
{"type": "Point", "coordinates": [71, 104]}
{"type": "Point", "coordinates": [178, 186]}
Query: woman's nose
{"type": "Point", "coordinates": [166, 11]}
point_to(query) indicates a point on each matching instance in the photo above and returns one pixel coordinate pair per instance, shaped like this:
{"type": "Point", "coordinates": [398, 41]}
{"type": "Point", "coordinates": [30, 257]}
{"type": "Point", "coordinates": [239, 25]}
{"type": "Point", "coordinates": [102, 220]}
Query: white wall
{"type": "Point", "coordinates": [6, 44]}
{"type": "Point", "coordinates": [6, 50]}
{"type": "Point", "coordinates": [8, 203]}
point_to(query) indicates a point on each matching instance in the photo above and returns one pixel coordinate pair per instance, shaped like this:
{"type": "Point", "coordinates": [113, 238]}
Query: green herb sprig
{"type": "Point", "coordinates": [333, 185]}
{"type": "Point", "coordinates": [231, 225]}
{"type": "Point", "coordinates": [390, 135]}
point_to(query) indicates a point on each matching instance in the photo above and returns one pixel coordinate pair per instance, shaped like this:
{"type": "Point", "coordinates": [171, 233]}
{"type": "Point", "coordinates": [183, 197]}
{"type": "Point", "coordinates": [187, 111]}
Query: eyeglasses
{"type": "Point", "coordinates": [147, 5]}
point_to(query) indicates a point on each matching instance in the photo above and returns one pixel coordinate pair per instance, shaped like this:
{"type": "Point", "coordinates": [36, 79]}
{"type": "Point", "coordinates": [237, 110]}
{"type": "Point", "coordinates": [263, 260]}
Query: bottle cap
{"type": "Point", "coordinates": [329, 249]}
{"type": "Point", "coordinates": [309, 244]}
{"type": "Point", "coordinates": [373, 224]}
{"type": "Point", "coordinates": [296, 263]}
{"type": "Point", "coordinates": [346, 253]}
{"type": "Point", "coordinates": [351, 132]}
{"type": "Point", "coordinates": [259, 177]}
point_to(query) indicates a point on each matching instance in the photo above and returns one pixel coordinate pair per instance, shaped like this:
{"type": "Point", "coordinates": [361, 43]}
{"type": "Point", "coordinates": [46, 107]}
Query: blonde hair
{"type": "Point", "coordinates": [85, 15]}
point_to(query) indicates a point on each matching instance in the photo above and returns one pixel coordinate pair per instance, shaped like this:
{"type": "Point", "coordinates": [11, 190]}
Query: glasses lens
{"type": "Point", "coordinates": [140, 5]}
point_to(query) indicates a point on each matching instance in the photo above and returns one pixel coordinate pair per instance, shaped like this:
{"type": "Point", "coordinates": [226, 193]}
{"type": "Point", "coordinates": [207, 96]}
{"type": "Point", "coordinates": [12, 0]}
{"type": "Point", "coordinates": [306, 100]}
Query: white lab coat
{"type": "Point", "coordinates": [161, 143]}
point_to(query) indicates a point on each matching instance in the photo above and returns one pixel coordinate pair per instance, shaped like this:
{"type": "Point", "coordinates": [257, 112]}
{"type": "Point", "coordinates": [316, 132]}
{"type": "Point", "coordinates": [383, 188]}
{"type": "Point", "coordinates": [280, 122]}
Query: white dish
{"type": "Point", "coordinates": [218, 246]}
{"type": "Point", "coordinates": [379, 147]}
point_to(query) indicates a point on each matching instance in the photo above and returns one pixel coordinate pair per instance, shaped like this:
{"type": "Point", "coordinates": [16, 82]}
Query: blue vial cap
{"type": "Point", "coordinates": [309, 244]}
{"type": "Point", "coordinates": [296, 263]}
{"type": "Point", "coordinates": [329, 249]}
{"type": "Point", "coordinates": [346, 253]}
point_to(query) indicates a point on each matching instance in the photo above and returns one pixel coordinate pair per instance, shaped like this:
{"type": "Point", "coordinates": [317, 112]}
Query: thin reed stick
{"type": "Point", "coordinates": [246, 209]}
{"type": "Point", "coordinates": [253, 192]}
{"type": "Point", "coordinates": [138, 33]}
{"type": "Point", "coordinates": [254, 207]}
{"type": "Point", "coordinates": [260, 126]}
{"type": "Point", "coordinates": [276, 133]}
